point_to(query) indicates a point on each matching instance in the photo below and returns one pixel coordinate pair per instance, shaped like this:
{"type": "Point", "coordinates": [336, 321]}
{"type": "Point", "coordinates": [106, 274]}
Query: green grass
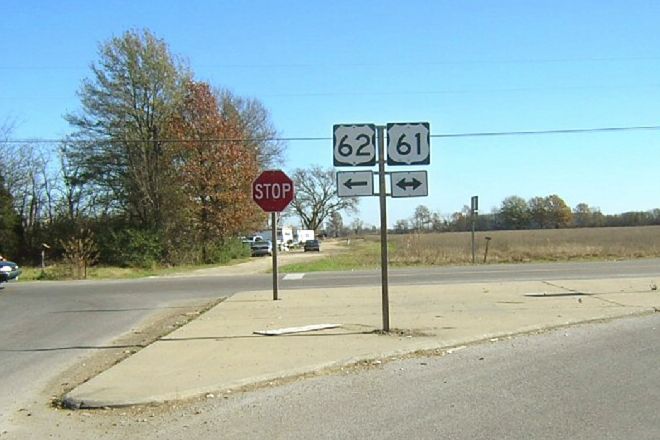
{"type": "Point", "coordinates": [58, 272]}
{"type": "Point", "coordinates": [359, 254]}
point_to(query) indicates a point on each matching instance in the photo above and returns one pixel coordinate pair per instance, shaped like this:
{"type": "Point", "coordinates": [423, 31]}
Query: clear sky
{"type": "Point", "coordinates": [463, 66]}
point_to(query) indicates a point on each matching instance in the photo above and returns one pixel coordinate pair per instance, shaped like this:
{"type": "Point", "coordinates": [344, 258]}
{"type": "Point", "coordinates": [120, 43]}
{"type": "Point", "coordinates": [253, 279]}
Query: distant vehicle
{"type": "Point", "coordinates": [261, 248]}
{"type": "Point", "coordinates": [251, 239]}
{"type": "Point", "coordinates": [9, 271]}
{"type": "Point", "coordinates": [312, 245]}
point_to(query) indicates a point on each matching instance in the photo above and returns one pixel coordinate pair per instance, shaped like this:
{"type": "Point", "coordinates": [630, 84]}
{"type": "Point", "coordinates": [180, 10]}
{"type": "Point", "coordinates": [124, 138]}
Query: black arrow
{"type": "Point", "coordinates": [404, 185]}
{"type": "Point", "coordinates": [350, 184]}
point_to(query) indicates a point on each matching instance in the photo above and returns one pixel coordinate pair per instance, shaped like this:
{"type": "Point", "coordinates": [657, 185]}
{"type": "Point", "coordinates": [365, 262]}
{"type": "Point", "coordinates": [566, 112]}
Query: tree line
{"type": "Point", "coordinates": [514, 212]}
{"type": "Point", "coordinates": [157, 167]}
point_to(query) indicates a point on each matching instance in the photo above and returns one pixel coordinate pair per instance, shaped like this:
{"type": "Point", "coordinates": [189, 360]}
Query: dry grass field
{"type": "Point", "coordinates": [525, 246]}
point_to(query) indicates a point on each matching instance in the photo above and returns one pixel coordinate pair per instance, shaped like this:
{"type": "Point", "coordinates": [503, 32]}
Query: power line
{"type": "Point", "coordinates": [544, 132]}
{"type": "Point", "coordinates": [328, 138]}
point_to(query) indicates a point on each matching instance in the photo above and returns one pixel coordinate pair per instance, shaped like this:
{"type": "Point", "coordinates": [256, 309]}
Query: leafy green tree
{"type": "Point", "coordinates": [582, 215]}
{"type": "Point", "coordinates": [514, 213]}
{"type": "Point", "coordinates": [539, 212]}
{"type": "Point", "coordinates": [126, 105]}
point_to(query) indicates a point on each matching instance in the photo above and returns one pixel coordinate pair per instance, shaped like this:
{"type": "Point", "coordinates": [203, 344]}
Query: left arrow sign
{"type": "Point", "coordinates": [350, 184]}
{"type": "Point", "coordinates": [355, 183]}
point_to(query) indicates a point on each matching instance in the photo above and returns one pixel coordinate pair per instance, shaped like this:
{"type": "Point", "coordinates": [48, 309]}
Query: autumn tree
{"type": "Point", "coordinates": [560, 215]}
{"type": "Point", "coordinates": [214, 169]}
{"type": "Point", "coordinates": [316, 196]}
{"type": "Point", "coordinates": [126, 105]}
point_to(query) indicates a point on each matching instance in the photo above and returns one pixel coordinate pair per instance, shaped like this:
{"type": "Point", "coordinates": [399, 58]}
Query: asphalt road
{"type": "Point", "coordinates": [592, 382]}
{"type": "Point", "coordinates": [46, 327]}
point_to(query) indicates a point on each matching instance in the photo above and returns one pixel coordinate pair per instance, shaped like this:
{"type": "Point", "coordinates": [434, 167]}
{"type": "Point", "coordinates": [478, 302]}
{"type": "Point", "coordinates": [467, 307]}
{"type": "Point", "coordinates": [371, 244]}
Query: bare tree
{"type": "Point", "coordinates": [421, 218]}
{"type": "Point", "coordinates": [257, 125]}
{"type": "Point", "coordinates": [316, 197]}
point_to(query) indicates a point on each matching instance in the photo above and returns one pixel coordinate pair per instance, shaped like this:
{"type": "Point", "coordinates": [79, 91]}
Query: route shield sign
{"type": "Point", "coordinates": [355, 183]}
{"type": "Point", "coordinates": [409, 143]}
{"type": "Point", "coordinates": [409, 184]}
{"type": "Point", "coordinates": [354, 145]}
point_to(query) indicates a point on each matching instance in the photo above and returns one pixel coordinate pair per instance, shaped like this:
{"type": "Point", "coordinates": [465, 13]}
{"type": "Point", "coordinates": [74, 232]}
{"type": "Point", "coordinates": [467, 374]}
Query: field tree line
{"type": "Point", "coordinates": [157, 169]}
{"type": "Point", "coordinates": [515, 213]}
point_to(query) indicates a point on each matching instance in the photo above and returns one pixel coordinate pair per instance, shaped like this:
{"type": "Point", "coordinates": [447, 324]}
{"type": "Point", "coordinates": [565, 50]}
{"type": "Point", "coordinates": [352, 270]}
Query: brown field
{"type": "Point", "coordinates": [525, 246]}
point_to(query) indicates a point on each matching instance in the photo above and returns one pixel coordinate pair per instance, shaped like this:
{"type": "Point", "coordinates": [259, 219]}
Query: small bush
{"type": "Point", "coordinates": [133, 248]}
{"type": "Point", "coordinates": [230, 250]}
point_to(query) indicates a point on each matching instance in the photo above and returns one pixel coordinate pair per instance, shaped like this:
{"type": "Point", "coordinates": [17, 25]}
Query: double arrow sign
{"type": "Point", "coordinates": [402, 184]}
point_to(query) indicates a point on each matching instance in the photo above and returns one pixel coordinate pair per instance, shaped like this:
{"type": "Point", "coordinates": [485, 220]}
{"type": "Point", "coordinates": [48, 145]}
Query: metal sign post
{"type": "Point", "coordinates": [474, 212]}
{"type": "Point", "coordinates": [382, 195]}
{"type": "Point", "coordinates": [273, 234]}
{"type": "Point", "coordinates": [356, 145]}
{"type": "Point", "coordinates": [273, 190]}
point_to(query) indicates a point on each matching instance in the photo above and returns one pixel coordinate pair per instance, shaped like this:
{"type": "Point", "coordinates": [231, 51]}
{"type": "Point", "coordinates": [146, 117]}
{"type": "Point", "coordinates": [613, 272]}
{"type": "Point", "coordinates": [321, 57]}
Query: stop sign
{"type": "Point", "coordinates": [272, 190]}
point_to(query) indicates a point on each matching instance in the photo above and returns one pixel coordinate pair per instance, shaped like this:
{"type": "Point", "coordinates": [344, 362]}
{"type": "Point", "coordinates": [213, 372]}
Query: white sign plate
{"type": "Point", "coordinates": [354, 145]}
{"type": "Point", "coordinates": [409, 143]}
{"type": "Point", "coordinates": [355, 183]}
{"type": "Point", "coordinates": [409, 184]}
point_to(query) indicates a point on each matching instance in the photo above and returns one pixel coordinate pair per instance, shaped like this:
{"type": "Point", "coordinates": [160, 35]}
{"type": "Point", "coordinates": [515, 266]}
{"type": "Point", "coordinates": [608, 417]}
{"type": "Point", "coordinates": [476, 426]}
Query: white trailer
{"type": "Point", "coordinates": [302, 235]}
{"type": "Point", "coordinates": [284, 237]}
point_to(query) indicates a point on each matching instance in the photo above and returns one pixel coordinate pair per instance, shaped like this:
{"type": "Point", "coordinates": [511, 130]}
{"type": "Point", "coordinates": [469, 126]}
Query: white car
{"type": "Point", "coordinates": [9, 271]}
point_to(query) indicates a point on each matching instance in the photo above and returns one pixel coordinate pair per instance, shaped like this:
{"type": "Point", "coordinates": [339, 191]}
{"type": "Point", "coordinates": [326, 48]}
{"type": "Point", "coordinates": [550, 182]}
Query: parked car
{"type": "Point", "coordinates": [312, 245]}
{"type": "Point", "coordinates": [261, 248]}
{"type": "Point", "coordinates": [9, 271]}
{"type": "Point", "coordinates": [248, 240]}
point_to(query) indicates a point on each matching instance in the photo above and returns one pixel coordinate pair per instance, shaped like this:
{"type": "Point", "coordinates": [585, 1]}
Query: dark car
{"type": "Point", "coordinates": [9, 271]}
{"type": "Point", "coordinates": [312, 245]}
{"type": "Point", "coordinates": [261, 248]}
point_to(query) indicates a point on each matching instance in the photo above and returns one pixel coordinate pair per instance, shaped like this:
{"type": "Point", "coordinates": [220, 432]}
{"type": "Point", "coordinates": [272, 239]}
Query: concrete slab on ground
{"type": "Point", "coordinates": [219, 351]}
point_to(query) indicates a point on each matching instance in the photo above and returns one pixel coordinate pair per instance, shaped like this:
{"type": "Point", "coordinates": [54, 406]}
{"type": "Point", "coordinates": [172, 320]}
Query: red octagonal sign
{"type": "Point", "coordinates": [272, 190]}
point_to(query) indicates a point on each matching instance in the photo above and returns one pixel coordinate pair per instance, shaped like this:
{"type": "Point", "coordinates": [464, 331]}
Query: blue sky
{"type": "Point", "coordinates": [463, 66]}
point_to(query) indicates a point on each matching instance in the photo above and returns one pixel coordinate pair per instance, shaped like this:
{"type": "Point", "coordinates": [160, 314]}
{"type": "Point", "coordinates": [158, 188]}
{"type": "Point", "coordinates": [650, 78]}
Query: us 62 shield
{"type": "Point", "coordinates": [409, 144]}
{"type": "Point", "coordinates": [354, 145]}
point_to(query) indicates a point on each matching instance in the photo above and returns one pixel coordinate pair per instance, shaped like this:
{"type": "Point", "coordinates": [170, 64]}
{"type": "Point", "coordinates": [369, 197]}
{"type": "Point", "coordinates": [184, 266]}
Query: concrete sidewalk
{"type": "Point", "coordinates": [219, 351]}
